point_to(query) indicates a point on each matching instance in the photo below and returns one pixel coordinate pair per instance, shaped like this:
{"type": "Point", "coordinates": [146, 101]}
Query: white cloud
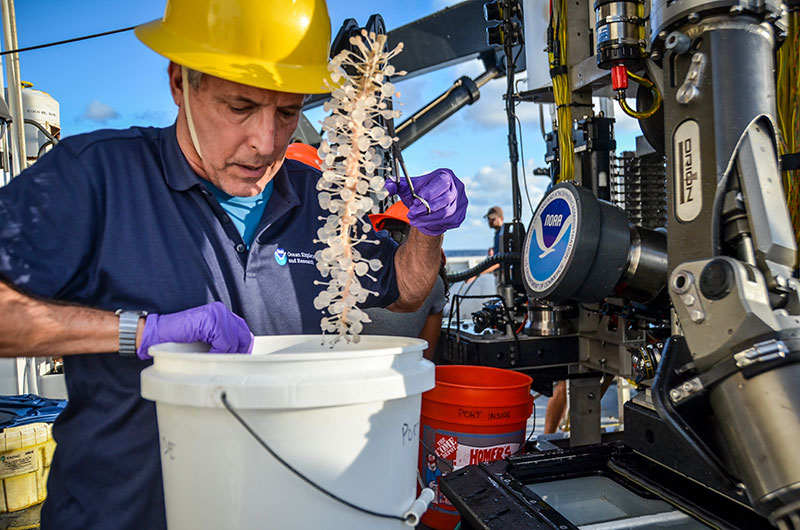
{"type": "Point", "coordinates": [155, 117]}
{"type": "Point", "coordinates": [489, 110]}
{"type": "Point", "coordinates": [99, 112]}
{"type": "Point", "coordinates": [471, 68]}
{"type": "Point", "coordinates": [490, 186]}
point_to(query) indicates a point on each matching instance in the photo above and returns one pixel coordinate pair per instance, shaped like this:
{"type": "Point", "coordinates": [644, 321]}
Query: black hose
{"type": "Point", "coordinates": [43, 147]}
{"type": "Point", "coordinates": [505, 257]}
{"type": "Point", "coordinates": [45, 132]}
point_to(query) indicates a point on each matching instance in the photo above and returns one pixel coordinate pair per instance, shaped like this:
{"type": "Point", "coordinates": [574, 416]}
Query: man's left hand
{"type": "Point", "coordinates": [212, 323]}
{"type": "Point", "coordinates": [443, 192]}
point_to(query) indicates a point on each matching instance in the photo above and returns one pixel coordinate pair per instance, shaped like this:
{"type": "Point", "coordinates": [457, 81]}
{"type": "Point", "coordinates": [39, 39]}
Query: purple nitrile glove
{"type": "Point", "coordinates": [444, 194]}
{"type": "Point", "coordinates": [212, 323]}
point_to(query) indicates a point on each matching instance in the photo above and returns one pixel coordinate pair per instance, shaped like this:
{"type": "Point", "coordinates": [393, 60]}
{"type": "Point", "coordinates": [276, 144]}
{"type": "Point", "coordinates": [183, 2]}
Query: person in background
{"type": "Point", "coordinates": [425, 322]}
{"type": "Point", "coordinates": [119, 240]}
{"type": "Point", "coordinates": [495, 219]}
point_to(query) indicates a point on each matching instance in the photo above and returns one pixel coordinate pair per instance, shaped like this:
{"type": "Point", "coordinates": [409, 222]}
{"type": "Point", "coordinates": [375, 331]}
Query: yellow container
{"type": "Point", "coordinates": [25, 455]}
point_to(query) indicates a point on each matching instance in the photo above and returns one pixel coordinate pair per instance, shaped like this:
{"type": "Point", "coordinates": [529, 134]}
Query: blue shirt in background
{"type": "Point", "coordinates": [245, 212]}
{"type": "Point", "coordinates": [498, 239]}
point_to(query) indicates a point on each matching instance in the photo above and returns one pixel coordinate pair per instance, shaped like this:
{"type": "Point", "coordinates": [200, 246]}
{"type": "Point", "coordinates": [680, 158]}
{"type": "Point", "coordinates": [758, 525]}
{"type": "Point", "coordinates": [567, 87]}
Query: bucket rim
{"type": "Point", "coordinates": [479, 388]}
{"type": "Point", "coordinates": [369, 346]}
{"type": "Point", "coordinates": [477, 399]}
{"type": "Point", "coordinates": [524, 379]}
{"type": "Point", "coordinates": [289, 380]}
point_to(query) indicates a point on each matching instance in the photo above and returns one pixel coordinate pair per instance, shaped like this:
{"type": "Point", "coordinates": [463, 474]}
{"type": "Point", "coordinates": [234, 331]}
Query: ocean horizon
{"type": "Point", "coordinates": [454, 253]}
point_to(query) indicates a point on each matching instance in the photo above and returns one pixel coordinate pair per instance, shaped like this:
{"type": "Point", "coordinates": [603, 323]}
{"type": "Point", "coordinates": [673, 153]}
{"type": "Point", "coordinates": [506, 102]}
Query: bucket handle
{"type": "Point", "coordinates": [411, 516]}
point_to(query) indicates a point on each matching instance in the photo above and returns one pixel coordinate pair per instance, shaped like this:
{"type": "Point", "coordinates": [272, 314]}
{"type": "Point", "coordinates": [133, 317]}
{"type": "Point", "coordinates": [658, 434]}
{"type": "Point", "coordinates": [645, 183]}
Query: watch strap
{"type": "Point", "coordinates": [128, 326]}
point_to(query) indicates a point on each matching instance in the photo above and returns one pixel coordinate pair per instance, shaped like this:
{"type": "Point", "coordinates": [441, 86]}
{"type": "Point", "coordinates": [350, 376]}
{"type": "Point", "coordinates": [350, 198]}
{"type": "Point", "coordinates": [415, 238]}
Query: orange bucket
{"type": "Point", "coordinates": [474, 414]}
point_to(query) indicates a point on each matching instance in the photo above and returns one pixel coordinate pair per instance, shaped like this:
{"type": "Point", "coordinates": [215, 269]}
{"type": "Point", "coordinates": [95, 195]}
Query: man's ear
{"type": "Point", "coordinates": [175, 83]}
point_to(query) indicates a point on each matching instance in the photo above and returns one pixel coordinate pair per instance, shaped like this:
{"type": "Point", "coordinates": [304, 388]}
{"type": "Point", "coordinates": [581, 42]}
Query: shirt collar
{"type": "Point", "coordinates": [177, 172]}
{"type": "Point", "coordinates": [180, 176]}
{"type": "Point", "coordinates": [283, 191]}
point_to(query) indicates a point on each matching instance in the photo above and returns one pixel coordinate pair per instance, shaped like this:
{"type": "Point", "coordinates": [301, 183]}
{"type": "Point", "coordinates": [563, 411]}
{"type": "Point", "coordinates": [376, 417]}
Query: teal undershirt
{"type": "Point", "coordinates": [245, 212]}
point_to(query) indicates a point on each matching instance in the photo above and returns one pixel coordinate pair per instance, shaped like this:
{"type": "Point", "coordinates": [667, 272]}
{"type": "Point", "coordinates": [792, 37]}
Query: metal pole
{"type": "Point", "coordinates": [4, 145]}
{"type": "Point", "coordinates": [18, 87]}
{"type": "Point", "coordinates": [513, 152]}
{"type": "Point", "coordinates": [14, 88]}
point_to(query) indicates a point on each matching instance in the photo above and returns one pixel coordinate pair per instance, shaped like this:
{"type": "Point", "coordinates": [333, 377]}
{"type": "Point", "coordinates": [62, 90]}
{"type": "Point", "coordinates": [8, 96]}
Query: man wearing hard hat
{"type": "Point", "coordinates": [118, 240]}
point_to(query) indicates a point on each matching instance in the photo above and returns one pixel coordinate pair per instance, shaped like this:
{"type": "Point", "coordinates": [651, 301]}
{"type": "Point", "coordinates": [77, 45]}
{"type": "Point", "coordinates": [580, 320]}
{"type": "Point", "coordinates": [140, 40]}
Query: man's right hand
{"type": "Point", "coordinates": [445, 196]}
{"type": "Point", "coordinates": [212, 323]}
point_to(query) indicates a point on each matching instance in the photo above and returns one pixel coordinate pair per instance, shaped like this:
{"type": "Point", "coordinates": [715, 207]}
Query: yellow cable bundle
{"type": "Point", "coordinates": [562, 93]}
{"type": "Point", "coordinates": [788, 59]}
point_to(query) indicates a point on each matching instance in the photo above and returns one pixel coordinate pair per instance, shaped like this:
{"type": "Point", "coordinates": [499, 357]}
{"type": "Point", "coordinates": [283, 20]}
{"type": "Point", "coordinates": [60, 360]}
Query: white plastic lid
{"type": "Point", "coordinates": [289, 372]}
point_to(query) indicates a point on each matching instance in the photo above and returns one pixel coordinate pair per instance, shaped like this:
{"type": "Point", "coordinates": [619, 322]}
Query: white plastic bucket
{"type": "Point", "coordinates": [347, 418]}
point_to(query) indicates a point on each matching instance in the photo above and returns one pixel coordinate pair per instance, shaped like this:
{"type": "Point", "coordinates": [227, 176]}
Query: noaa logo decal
{"type": "Point", "coordinates": [551, 239]}
{"type": "Point", "coordinates": [551, 226]}
{"type": "Point", "coordinates": [280, 257]}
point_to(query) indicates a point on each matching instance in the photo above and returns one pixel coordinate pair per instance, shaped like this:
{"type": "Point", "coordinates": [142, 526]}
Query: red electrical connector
{"type": "Point", "coordinates": [619, 77]}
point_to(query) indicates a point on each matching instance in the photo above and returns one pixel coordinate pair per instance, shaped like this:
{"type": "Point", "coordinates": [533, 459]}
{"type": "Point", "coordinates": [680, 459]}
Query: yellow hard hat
{"type": "Point", "coordinates": [275, 44]}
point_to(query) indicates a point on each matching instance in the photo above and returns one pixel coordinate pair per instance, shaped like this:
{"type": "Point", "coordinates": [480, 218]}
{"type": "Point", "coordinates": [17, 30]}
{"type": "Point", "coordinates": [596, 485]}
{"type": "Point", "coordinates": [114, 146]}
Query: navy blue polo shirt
{"type": "Point", "coordinates": [118, 219]}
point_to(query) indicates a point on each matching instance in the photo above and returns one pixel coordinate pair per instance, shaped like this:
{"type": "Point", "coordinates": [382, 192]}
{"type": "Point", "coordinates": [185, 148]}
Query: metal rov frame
{"type": "Point", "coordinates": [705, 316]}
{"type": "Point", "coordinates": [718, 289]}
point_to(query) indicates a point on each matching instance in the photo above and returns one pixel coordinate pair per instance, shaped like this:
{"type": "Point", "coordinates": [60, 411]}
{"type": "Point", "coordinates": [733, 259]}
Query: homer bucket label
{"type": "Point", "coordinates": [686, 164]}
{"type": "Point", "coordinates": [553, 239]}
{"type": "Point", "coordinates": [454, 450]}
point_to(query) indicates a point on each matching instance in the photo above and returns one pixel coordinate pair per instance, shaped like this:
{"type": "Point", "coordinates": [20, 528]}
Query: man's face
{"type": "Point", "coordinates": [242, 131]}
{"type": "Point", "coordinates": [495, 221]}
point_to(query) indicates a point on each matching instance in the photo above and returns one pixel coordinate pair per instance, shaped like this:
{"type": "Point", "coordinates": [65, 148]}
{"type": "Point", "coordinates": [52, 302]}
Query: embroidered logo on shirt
{"type": "Point", "coordinates": [285, 257]}
{"type": "Point", "coordinates": [280, 257]}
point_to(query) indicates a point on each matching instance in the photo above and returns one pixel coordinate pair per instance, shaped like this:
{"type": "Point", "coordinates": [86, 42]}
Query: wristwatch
{"type": "Point", "coordinates": [128, 326]}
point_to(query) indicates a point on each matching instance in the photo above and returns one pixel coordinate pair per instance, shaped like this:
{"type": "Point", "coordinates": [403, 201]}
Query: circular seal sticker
{"type": "Point", "coordinates": [551, 240]}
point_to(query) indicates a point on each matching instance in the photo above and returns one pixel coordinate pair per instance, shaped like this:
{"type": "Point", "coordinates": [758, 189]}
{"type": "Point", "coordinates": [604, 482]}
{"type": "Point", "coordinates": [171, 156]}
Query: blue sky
{"type": "Point", "coordinates": [117, 82]}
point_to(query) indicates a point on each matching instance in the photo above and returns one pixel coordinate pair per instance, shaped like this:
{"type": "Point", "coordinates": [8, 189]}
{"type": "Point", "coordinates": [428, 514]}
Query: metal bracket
{"type": "Point", "coordinates": [750, 361]}
{"type": "Point", "coordinates": [687, 390]}
{"type": "Point", "coordinates": [761, 352]}
{"type": "Point", "coordinates": [689, 90]}
{"type": "Point", "coordinates": [683, 283]}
